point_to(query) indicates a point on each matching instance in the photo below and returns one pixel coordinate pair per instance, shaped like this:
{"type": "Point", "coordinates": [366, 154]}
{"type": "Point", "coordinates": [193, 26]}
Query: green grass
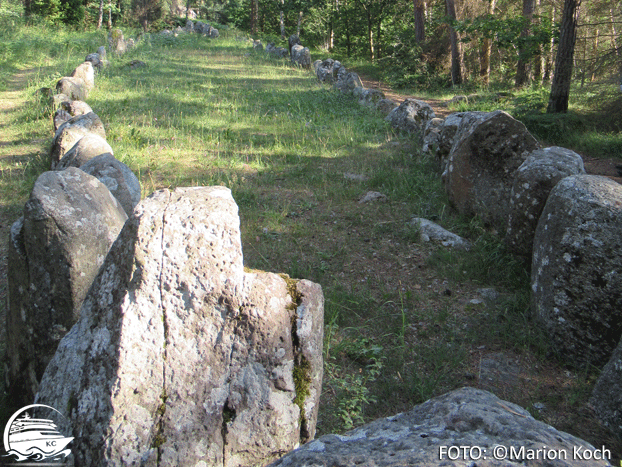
{"type": "Point", "coordinates": [400, 327]}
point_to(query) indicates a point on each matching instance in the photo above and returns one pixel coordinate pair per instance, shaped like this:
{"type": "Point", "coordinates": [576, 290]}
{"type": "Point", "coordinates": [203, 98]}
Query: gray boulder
{"type": "Point", "coordinates": [411, 116]}
{"type": "Point", "coordinates": [495, 433]}
{"type": "Point", "coordinates": [85, 149]}
{"type": "Point", "coordinates": [301, 56]}
{"type": "Point", "coordinates": [432, 135]}
{"type": "Point", "coordinates": [117, 176]}
{"type": "Point", "coordinates": [86, 73]}
{"type": "Point", "coordinates": [292, 41]}
{"type": "Point", "coordinates": [56, 250]}
{"type": "Point", "coordinates": [533, 181]}
{"type": "Point", "coordinates": [202, 28]}
{"type": "Point", "coordinates": [575, 273]}
{"type": "Point", "coordinates": [257, 45]}
{"type": "Point", "coordinates": [70, 132]}
{"type": "Point", "coordinates": [606, 397]}
{"type": "Point", "coordinates": [214, 33]}
{"type": "Point", "coordinates": [348, 81]}
{"type": "Point", "coordinates": [453, 128]}
{"type": "Point", "coordinates": [180, 357]}
{"type": "Point", "coordinates": [385, 106]}
{"type": "Point", "coordinates": [96, 61]}
{"type": "Point", "coordinates": [116, 41]}
{"type": "Point", "coordinates": [189, 25]}
{"type": "Point", "coordinates": [74, 88]}
{"type": "Point", "coordinates": [430, 231]}
{"type": "Point", "coordinates": [370, 97]}
{"type": "Point", "coordinates": [482, 164]}
{"type": "Point", "coordinates": [324, 70]}
{"type": "Point", "coordinates": [60, 116]}
{"type": "Point", "coordinates": [75, 108]}
{"type": "Point", "coordinates": [101, 51]}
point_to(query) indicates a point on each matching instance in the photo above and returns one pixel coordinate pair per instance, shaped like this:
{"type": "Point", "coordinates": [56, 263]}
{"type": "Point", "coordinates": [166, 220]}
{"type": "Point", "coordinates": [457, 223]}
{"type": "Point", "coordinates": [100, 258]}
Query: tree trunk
{"type": "Point", "coordinates": [595, 54]}
{"type": "Point", "coordinates": [486, 50]}
{"type": "Point", "coordinates": [109, 14]}
{"type": "Point", "coordinates": [538, 59]}
{"type": "Point", "coordinates": [370, 36]}
{"type": "Point", "coordinates": [299, 23]}
{"type": "Point", "coordinates": [548, 66]}
{"type": "Point", "coordinates": [187, 8]}
{"type": "Point", "coordinates": [522, 71]}
{"type": "Point", "coordinates": [100, 14]}
{"type": "Point", "coordinates": [560, 87]}
{"type": "Point", "coordinates": [419, 10]}
{"type": "Point", "coordinates": [254, 16]}
{"type": "Point", "coordinates": [282, 19]}
{"type": "Point", "coordinates": [456, 52]}
{"type": "Point", "coordinates": [614, 33]}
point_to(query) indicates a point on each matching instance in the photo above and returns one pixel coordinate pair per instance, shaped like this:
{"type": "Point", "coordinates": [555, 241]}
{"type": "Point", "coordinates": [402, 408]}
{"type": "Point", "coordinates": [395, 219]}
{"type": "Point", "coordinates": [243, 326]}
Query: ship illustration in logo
{"type": "Point", "coordinates": [34, 439]}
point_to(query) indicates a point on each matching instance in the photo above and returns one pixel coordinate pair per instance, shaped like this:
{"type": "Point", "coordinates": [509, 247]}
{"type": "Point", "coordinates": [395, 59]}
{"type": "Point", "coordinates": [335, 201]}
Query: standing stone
{"type": "Point", "coordinates": [424, 436]}
{"type": "Point", "coordinates": [56, 250]}
{"type": "Point", "coordinates": [533, 182]}
{"type": "Point", "coordinates": [576, 275]}
{"type": "Point", "coordinates": [87, 147]}
{"type": "Point", "coordinates": [301, 56]}
{"type": "Point", "coordinates": [70, 132]}
{"type": "Point", "coordinates": [180, 357]}
{"type": "Point", "coordinates": [482, 165]}
{"type": "Point", "coordinates": [117, 176]}
{"type": "Point", "coordinates": [411, 116]}
{"type": "Point", "coordinates": [86, 73]}
{"type": "Point", "coordinates": [116, 41]}
{"type": "Point", "coordinates": [607, 394]}
{"type": "Point", "coordinates": [73, 88]}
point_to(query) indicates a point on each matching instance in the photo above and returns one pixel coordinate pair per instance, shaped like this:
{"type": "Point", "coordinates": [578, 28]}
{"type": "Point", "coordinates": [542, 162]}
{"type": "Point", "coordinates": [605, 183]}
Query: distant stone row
{"type": "Point", "coordinates": [545, 207]}
{"type": "Point", "coordinates": [299, 55]}
{"type": "Point", "coordinates": [197, 27]}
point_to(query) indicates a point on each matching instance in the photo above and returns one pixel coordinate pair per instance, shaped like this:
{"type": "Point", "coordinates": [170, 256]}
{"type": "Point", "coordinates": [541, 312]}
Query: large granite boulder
{"type": "Point", "coordinates": [606, 397]}
{"type": "Point", "coordinates": [453, 128]}
{"type": "Point", "coordinates": [482, 164]}
{"type": "Point", "coordinates": [70, 132]}
{"type": "Point", "coordinates": [69, 109]}
{"type": "Point", "coordinates": [96, 61]}
{"type": "Point", "coordinates": [411, 116]}
{"type": "Point", "coordinates": [575, 273]}
{"type": "Point", "coordinates": [292, 41]}
{"type": "Point", "coordinates": [301, 56]}
{"type": "Point", "coordinates": [466, 427]}
{"type": "Point", "coordinates": [117, 176]}
{"type": "Point", "coordinates": [73, 88]}
{"type": "Point", "coordinates": [85, 149]}
{"type": "Point", "coordinates": [324, 70]}
{"type": "Point", "coordinates": [370, 97]}
{"type": "Point", "coordinates": [348, 81]}
{"type": "Point", "coordinates": [116, 42]}
{"type": "Point", "coordinates": [85, 73]}
{"type": "Point", "coordinates": [533, 181]}
{"type": "Point", "coordinates": [180, 356]}
{"type": "Point", "coordinates": [56, 250]}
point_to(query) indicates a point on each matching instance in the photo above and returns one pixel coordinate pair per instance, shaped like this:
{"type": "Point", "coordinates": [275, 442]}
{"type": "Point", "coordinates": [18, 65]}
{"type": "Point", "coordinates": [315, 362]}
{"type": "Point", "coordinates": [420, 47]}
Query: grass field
{"type": "Point", "coordinates": [404, 320]}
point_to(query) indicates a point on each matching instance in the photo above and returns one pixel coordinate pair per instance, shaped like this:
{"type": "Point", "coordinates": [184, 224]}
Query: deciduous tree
{"type": "Point", "coordinates": [560, 87]}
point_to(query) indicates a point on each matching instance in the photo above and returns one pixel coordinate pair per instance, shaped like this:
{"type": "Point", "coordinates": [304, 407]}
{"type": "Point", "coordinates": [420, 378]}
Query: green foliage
{"type": "Point", "coordinates": [352, 387]}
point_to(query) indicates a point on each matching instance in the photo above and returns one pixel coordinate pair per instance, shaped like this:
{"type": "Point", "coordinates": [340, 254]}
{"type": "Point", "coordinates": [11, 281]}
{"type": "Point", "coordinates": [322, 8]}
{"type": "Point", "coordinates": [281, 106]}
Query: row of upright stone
{"type": "Point", "coordinates": [545, 207]}
{"type": "Point", "coordinates": [138, 322]}
{"type": "Point", "coordinates": [73, 215]}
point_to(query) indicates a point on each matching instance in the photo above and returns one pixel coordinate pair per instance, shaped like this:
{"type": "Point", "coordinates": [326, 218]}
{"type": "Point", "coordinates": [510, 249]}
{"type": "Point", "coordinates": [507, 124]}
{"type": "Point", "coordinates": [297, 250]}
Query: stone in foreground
{"type": "Point", "coordinates": [70, 222]}
{"type": "Point", "coordinates": [607, 394]}
{"type": "Point", "coordinates": [180, 356]}
{"type": "Point", "coordinates": [501, 434]}
{"type": "Point", "coordinates": [575, 271]}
